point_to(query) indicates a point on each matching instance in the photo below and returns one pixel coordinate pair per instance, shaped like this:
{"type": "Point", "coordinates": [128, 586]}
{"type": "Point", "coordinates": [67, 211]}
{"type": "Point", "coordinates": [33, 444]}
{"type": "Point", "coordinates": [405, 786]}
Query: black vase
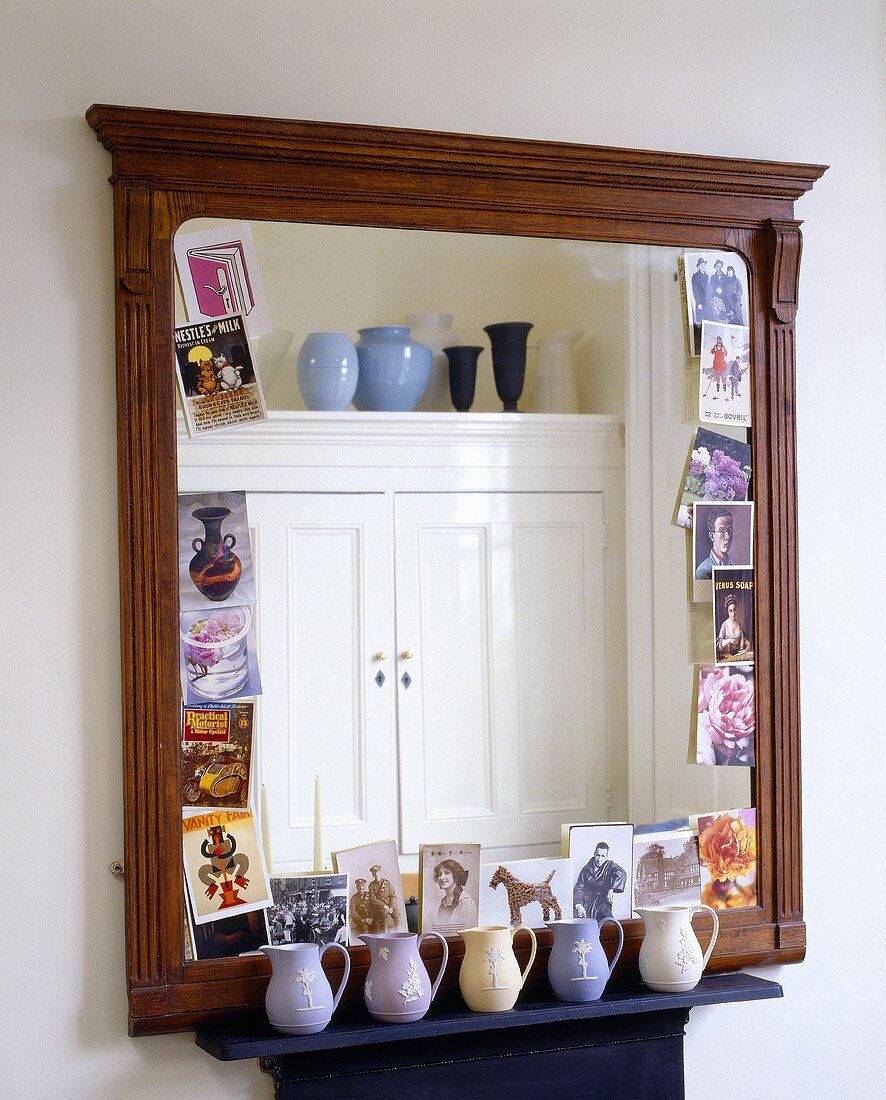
{"type": "Point", "coordinates": [462, 375]}
{"type": "Point", "coordinates": [509, 360]}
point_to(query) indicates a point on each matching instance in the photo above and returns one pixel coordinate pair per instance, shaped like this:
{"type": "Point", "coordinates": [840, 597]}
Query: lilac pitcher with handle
{"type": "Point", "coordinates": [398, 989]}
{"type": "Point", "coordinates": [578, 969]}
{"type": "Point", "coordinates": [299, 999]}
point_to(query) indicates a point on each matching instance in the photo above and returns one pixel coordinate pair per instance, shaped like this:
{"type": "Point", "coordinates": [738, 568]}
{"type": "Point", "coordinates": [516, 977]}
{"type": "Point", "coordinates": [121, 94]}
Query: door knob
{"type": "Point", "coordinates": [406, 654]}
{"type": "Point", "coordinates": [380, 656]}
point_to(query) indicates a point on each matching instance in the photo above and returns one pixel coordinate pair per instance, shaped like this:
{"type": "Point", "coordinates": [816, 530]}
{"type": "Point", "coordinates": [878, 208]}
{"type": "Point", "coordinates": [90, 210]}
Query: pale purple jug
{"type": "Point", "coordinates": [299, 999]}
{"type": "Point", "coordinates": [398, 989]}
{"type": "Point", "coordinates": [578, 969]}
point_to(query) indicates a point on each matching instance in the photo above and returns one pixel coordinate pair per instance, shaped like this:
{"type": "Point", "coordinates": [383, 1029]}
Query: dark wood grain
{"type": "Point", "coordinates": [170, 166]}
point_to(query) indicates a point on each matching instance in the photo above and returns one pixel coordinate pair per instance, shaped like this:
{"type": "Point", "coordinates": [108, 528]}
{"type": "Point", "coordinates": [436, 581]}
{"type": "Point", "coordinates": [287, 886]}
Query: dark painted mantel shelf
{"type": "Point", "coordinates": [628, 1044]}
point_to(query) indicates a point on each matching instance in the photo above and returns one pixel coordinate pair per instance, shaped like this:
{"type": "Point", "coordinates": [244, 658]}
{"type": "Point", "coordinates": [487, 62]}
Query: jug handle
{"type": "Point", "coordinates": [621, 940]}
{"type": "Point", "coordinates": [714, 934]}
{"type": "Point", "coordinates": [442, 969]}
{"type": "Point", "coordinates": [523, 928]}
{"type": "Point", "coordinates": [344, 978]}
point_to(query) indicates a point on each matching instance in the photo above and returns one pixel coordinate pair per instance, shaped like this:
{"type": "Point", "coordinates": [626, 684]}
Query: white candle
{"type": "Point", "coordinates": [266, 829]}
{"type": "Point", "coordinates": [318, 828]}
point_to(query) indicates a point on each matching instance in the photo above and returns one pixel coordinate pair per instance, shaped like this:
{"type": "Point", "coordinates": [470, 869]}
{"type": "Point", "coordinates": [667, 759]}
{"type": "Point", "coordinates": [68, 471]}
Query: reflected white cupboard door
{"type": "Point", "coordinates": [323, 564]}
{"type": "Point", "coordinates": [500, 605]}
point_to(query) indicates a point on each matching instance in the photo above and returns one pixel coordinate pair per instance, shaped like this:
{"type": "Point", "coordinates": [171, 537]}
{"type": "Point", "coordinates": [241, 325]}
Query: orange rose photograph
{"type": "Point", "coordinates": [727, 848]}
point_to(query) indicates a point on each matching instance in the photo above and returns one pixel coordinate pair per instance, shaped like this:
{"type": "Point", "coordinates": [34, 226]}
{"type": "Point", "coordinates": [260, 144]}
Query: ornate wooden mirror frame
{"type": "Point", "coordinates": [171, 166]}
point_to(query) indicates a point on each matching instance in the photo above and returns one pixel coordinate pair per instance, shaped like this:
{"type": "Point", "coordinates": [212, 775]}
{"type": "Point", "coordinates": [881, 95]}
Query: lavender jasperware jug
{"type": "Point", "coordinates": [299, 999]}
{"type": "Point", "coordinates": [398, 989]}
{"type": "Point", "coordinates": [578, 969]}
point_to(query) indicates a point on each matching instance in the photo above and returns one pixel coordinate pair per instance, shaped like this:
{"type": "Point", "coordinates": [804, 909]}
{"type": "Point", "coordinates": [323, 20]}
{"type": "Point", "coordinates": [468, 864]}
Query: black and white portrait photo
{"type": "Point", "coordinates": [601, 866]}
{"type": "Point", "coordinates": [716, 286]}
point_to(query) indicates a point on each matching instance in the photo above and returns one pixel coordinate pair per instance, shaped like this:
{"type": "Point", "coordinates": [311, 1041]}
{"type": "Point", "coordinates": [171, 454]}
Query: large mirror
{"type": "Point", "coordinates": [491, 230]}
{"type": "Point", "coordinates": [507, 573]}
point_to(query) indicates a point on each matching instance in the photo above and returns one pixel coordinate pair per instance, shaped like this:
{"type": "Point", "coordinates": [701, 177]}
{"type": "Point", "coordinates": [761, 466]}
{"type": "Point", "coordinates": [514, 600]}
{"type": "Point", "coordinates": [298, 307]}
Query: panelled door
{"type": "Point", "coordinates": [500, 611]}
{"type": "Point", "coordinates": [323, 566]}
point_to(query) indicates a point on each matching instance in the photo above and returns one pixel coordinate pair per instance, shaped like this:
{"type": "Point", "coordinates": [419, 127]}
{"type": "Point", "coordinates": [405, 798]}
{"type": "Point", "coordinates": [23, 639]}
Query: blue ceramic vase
{"type": "Point", "coordinates": [327, 371]}
{"type": "Point", "coordinates": [578, 969]}
{"type": "Point", "coordinates": [394, 370]}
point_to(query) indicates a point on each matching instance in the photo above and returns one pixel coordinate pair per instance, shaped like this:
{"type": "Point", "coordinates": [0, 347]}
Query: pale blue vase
{"type": "Point", "coordinates": [328, 369]}
{"type": "Point", "coordinates": [394, 370]}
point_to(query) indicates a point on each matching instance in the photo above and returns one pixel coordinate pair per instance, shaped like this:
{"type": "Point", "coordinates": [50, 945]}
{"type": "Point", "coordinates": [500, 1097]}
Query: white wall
{"type": "Point", "coordinates": [798, 80]}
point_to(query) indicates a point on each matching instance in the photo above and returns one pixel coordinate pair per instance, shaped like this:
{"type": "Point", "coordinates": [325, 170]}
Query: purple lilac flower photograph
{"type": "Point", "coordinates": [718, 468]}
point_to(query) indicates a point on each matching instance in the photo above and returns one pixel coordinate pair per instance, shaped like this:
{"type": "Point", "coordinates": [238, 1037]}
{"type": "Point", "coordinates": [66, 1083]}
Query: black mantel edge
{"type": "Point", "coordinates": [258, 1040]}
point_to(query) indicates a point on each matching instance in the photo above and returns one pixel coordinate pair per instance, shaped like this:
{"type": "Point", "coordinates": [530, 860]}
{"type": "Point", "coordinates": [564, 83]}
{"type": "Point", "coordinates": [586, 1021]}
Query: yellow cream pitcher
{"type": "Point", "coordinates": [490, 978]}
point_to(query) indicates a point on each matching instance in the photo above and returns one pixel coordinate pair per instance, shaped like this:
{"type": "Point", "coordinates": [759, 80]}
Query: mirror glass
{"type": "Point", "coordinates": [527, 564]}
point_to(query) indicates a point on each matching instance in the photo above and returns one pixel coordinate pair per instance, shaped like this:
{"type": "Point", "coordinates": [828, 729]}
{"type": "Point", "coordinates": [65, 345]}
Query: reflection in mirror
{"type": "Point", "coordinates": [472, 626]}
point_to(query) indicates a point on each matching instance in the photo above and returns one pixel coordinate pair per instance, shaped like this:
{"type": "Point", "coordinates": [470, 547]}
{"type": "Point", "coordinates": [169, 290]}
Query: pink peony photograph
{"type": "Point", "coordinates": [725, 717]}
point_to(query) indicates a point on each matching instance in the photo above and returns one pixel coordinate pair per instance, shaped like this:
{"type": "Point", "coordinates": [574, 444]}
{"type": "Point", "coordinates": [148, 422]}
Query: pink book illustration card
{"type": "Point", "coordinates": [219, 276]}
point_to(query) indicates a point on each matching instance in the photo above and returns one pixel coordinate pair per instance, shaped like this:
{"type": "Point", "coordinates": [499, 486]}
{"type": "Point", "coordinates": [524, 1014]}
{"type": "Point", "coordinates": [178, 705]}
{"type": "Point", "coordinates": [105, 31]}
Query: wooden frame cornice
{"type": "Point", "coordinates": [169, 166]}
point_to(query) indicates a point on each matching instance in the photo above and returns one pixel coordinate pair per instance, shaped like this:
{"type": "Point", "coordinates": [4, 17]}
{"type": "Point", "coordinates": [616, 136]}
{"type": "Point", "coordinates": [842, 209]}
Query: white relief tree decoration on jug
{"type": "Point", "coordinates": [412, 988]}
{"type": "Point", "coordinates": [581, 948]}
{"type": "Point", "coordinates": [494, 956]}
{"type": "Point", "coordinates": [367, 989]}
{"type": "Point", "coordinates": [307, 977]}
{"type": "Point", "coordinates": [686, 957]}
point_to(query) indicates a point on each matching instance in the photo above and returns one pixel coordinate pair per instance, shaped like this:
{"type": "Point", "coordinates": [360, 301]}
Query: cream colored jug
{"type": "Point", "coordinates": [555, 388]}
{"type": "Point", "coordinates": [490, 978]}
{"type": "Point", "coordinates": [671, 960]}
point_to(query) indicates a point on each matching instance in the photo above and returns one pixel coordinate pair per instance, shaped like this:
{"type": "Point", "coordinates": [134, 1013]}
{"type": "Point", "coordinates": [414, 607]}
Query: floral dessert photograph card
{"type": "Point", "coordinates": [724, 719]}
{"type": "Point", "coordinates": [214, 551]}
{"type": "Point", "coordinates": [216, 756]}
{"type": "Point", "coordinates": [449, 878]}
{"type": "Point", "coordinates": [724, 395]}
{"type": "Point", "coordinates": [224, 865]}
{"type": "Point", "coordinates": [733, 615]}
{"type": "Point", "coordinates": [218, 655]}
{"type": "Point", "coordinates": [666, 869]}
{"type": "Point", "coordinates": [727, 850]}
{"type": "Point", "coordinates": [525, 891]}
{"type": "Point", "coordinates": [376, 902]}
{"type": "Point", "coordinates": [718, 468]}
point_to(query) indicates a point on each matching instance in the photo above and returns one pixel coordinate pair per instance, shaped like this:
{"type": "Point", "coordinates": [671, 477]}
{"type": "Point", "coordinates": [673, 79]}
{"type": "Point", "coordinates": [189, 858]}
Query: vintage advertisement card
{"type": "Point", "coordinates": [449, 877]}
{"type": "Point", "coordinates": [217, 377]}
{"type": "Point", "coordinates": [666, 869]}
{"type": "Point", "coordinates": [525, 891]}
{"type": "Point", "coordinates": [724, 720]}
{"type": "Point", "coordinates": [227, 937]}
{"type": "Point", "coordinates": [733, 615]}
{"type": "Point", "coordinates": [309, 909]}
{"type": "Point", "coordinates": [224, 865]}
{"type": "Point", "coordinates": [727, 849]}
{"type": "Point", "coordinates": [714, 288]}
{"type": "Point", "coordinates": [718, 468]}
{"type": "Point", "coordinates": [214, 551]}
{"type": "Point", "coordinates": [724, 382]}
{"type": "Point", "coordinates": [216, 756]}
{"type": "Point", "coordinates": [601, 868]}
{"type": "Point", "coordinates": [722, 534]}
{"type": "Point", "coordinates": [218, 655]}
{"type": "Point", "coordinates": [219, 275]}
{"type": "Point", "coordinates": [376, 902]}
